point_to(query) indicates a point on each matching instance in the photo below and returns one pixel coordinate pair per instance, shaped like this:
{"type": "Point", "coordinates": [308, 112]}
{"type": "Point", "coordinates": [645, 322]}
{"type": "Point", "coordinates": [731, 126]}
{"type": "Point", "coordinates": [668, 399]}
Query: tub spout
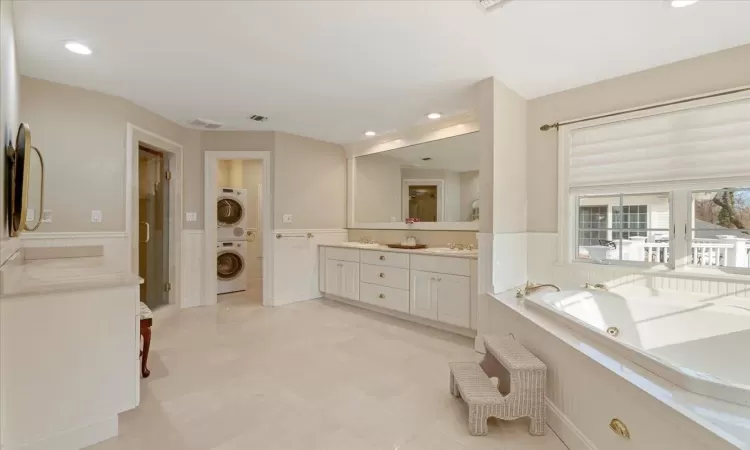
{"type": "Point", "coordinates": [533, 287]}
{"type": "Point", "coordinates": [596, 287]}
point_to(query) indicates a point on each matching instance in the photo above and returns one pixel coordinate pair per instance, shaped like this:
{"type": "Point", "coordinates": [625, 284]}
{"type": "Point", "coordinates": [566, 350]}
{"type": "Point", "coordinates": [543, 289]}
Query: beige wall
{"type": "Point", "coordinates": [9, 81]}
{"type": "Point", "coordinates": [82, 135]}
{"type": "Point", "coordinates": [713, 72]}
{"type": "Point", "coordinates": [309, 183]}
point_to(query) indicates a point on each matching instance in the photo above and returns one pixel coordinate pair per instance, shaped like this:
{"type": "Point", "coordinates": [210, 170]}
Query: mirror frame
{"type": "Point", "coordinates": [447, 128]}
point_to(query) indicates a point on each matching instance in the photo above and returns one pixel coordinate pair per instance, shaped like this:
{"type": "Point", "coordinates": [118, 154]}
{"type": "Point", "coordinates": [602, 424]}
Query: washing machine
{"type": "Point", "coordinates": [230, 266]}
{"type": "Point", "coordinates": [231, 214]}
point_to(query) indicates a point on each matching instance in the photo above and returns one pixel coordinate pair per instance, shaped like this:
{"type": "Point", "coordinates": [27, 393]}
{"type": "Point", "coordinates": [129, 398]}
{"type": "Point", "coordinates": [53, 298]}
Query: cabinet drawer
{"type": "Point", "coordinates": [394, 277]}
{"type": "Point", "coordinates": [384, 297]}
{"type": "Point", "coordinates": [391, 259]}
{"type": "Point", "coordinates": [441, 264]}
{"type": "Point", "coordinates": [342, 254]}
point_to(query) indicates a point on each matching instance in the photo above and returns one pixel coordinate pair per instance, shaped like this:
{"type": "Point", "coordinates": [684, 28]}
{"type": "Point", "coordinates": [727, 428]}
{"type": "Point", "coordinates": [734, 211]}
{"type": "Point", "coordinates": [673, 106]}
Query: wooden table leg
{"type": "Point", "coordinates": [146, 334]}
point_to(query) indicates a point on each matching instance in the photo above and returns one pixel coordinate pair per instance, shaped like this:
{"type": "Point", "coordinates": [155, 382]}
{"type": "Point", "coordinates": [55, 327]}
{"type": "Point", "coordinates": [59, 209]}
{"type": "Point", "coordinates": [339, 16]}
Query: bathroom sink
{"type": "Point", "coordinates": [360, 245]}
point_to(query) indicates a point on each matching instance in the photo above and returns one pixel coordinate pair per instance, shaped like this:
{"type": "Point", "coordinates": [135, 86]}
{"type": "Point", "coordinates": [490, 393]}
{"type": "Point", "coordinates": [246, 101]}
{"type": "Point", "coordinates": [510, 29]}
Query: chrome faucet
{"type": "Point", "coordinates": [596, 287]}
{"type": "Point", "coordinates": [530, 288]}
{"type": "Point", "coordinates": [366, 241]}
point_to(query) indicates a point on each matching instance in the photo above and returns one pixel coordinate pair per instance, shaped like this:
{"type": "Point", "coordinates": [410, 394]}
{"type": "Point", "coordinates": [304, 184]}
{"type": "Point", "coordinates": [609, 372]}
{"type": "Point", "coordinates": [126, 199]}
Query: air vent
{"type": "Point", "coordinates": [489, 5]}
{"type": "Point", "coordinates": [205, 123]}
{"type": "Point", "coordinates": [258, 118]}
{"type": "Point", "coordinates": [427, 159]}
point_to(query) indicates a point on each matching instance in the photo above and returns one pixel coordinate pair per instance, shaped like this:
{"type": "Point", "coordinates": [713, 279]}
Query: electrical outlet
{"type": "Point", "coordinates": [47, 216]}
{"type": "Point", "coordinates": [191, 217]}
{"type": "Point", "coordinates": [287, 218]}
{"type": "Point", "coordinates": [96, 216]}
{"type": "Point", "coordinates": [30, 214]}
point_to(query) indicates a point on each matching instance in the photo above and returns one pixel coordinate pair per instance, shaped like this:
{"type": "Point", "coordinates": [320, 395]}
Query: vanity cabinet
{"type": "Point", "coordinates": [342, 278]}
{"type": "Point", "coordinates": [436, 288]}
{"type": "Point", "coordinates": [441, 297]}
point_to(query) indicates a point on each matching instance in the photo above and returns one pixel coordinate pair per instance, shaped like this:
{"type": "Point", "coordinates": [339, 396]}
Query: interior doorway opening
{"type": "Point", "coordinates": [238, 227]}
{"type": "Point", "coordinates": [239, 217]}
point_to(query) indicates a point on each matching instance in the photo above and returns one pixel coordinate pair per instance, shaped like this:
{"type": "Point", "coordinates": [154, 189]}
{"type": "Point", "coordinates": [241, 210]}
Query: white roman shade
{"type": "Point", "coordinates": [675, 148]}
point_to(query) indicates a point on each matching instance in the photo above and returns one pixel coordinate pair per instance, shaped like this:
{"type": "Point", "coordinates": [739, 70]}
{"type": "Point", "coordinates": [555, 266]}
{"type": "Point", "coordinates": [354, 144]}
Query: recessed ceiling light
{"type": "Point", "coordinates": [682, 3]}
{"type": "Point", "coordinates": [369, 133]}
{"type": "Point", "coordinates": [77, 47]}
{"type": "Point", "coordinates": [434, 116]}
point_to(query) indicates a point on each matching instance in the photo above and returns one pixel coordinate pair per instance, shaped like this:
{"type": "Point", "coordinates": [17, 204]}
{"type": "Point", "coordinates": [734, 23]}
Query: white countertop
{"type": "Point", "coordinates": [727, 420]}
{"type": "Point", "coordinates": [469, 254]}
{"type": "Point", "coordinates": [20, 277]}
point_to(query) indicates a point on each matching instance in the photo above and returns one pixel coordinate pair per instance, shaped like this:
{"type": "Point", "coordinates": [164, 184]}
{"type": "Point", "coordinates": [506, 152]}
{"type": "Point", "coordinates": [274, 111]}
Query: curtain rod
{"type": "Point", "coordinates": [557, 125]}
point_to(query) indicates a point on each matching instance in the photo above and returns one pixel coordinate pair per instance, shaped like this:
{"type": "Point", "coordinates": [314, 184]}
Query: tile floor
{"type": "Point", "coordinates": [316, 375]}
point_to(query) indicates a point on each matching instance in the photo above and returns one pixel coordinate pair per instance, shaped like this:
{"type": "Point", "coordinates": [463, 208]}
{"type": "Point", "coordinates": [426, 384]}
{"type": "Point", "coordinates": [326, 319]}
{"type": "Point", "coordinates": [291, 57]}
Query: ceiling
{"type": "Point", "coordinates": [457, 154]}
{"type": "Point", "coordinates": [333, 69]}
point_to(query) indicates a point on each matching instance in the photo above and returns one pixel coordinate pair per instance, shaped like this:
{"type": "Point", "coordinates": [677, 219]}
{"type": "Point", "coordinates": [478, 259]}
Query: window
{"type": "Point", "coordinates": [720, 228]}
{"type": "Point", "coordinates": [592, 224]}
{"type": "Point", "coordinates": [633, 217]}
{"type": "Point", "coordinates": [677, 184]}
{"type": "Point", "coordinates": [627, 228]}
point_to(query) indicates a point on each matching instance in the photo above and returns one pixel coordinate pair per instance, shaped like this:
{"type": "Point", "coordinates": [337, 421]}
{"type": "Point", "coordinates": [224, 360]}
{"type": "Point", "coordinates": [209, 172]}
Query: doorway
{"type": "Point", "coordinates": [153, 227]}
{"type": "Point", "coordinates": [423, 199]}
{"type": "Point", "coordinates": [237, 217]}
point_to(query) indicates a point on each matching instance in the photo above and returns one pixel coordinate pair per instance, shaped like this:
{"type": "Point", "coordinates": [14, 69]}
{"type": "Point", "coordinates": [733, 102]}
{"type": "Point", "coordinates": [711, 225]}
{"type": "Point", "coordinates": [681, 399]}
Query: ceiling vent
{"type": "Point", "coordinates": [489, 5]}
{"type": "Point", "coordinates": [258, 118]}
{"type": "Point", "coordinates": [206, 124]}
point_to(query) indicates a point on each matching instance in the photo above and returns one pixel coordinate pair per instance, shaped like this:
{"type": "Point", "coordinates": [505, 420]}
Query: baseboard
{"type": "Point", "coordinates": [407, 317]}
{"type": "Point", "coordinates": [571, 436]}
{"type": "Point", "coordinates": [76, 438]}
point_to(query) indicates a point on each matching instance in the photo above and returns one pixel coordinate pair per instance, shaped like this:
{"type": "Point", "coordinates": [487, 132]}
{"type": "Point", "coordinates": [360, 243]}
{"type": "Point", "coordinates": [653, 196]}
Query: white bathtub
{"type": "Point", "coordinates": [698, 343]}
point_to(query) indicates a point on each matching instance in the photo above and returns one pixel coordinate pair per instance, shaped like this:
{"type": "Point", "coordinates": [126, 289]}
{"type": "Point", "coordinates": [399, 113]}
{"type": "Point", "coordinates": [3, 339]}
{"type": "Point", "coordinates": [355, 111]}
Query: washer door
{"type": "Point", "coordinates": [229, 211]}
{"type": "Point", "coordinates": [229, 265]}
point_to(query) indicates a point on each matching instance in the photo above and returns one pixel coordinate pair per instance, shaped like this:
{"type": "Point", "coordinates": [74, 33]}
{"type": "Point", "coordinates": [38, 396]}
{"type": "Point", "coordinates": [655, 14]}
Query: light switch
{"type": "Point", "coordinates": [96, 216]}
{"type": "Point", "coordinates": [47, 216]}
{"type": "Point", "coordinates": [191, 217]}
{"type": "Point", "coordinates": [287, 218]}
{"type": "Point", "coordinates": [30, 214]}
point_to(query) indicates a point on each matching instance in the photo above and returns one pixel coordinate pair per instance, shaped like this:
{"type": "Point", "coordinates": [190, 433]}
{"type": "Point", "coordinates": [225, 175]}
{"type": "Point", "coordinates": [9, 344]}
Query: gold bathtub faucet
{"type": "Point", "coordinates": [596, 287]}
{"type": "Point", "coordinates": [530, 288]}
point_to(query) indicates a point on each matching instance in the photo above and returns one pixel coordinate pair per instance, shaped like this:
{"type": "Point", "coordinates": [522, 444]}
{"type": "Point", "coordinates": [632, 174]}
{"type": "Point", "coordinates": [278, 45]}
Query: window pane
{"type": "Point", "coordinates": [720, 235]}
{"type": "Point", "coordinates": [638, 228]}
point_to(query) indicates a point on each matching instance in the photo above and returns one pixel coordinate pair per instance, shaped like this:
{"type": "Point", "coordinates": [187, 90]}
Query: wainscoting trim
{"type": "Point", "coordinates": [573, 438]}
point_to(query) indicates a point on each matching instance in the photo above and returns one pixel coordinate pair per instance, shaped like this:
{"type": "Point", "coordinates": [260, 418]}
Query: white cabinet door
{"type": "Point", "coordinates": [423, 298]}
{"type": "Point", "coordinates": [453, 299]}
{"type": "Point", "coordinates": [349, 280]}
{"type": "Point", "coordinates": [334, 271]}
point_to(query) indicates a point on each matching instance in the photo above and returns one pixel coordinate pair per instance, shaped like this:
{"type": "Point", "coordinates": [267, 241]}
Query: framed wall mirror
{"type": "Point", "coordinates": [430, 185]}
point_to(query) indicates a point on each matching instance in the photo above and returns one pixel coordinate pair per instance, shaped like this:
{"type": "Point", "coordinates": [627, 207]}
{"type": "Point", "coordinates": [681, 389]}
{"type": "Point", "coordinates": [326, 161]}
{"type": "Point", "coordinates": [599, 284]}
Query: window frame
{"type": "Point", "coordinates": [574, 250]}
{"type": "Point", "coordinates": [680, 196]}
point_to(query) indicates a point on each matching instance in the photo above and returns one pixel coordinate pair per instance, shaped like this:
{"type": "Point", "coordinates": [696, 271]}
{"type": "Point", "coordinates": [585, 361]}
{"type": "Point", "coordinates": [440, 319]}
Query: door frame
{"type": "Point", "coordinates": [210, 168]}
{"type": "Point", "coordinates": [135, 136]}
{"type": "Point", "coordinates": [437, 182]}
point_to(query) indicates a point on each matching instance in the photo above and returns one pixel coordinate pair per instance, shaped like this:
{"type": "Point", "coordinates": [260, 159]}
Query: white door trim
{"type": "Point", "coordinates": [134, 136]}
{"type": "Point", "coordinates": [210, 166]}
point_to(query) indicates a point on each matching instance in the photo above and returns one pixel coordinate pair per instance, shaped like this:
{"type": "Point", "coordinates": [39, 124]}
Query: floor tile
{"type": "Point", "coordinates": [316, 375]}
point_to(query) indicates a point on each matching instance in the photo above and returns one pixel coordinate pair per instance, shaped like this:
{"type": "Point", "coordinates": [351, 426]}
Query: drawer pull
{"type": "Point", "coordinates": [382, 275]}
{"type": "Point", "coordinates": [619, 428]}
{"type": "Point", "coordinates": [382, 257]}
{"type": "Point", "coordinates": [381, 296]}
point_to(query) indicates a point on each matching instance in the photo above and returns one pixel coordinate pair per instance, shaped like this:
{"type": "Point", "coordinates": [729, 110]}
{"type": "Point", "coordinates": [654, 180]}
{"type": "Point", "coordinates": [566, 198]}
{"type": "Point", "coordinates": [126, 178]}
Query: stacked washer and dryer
{"type": "Point", "coordinates": [231, 247]}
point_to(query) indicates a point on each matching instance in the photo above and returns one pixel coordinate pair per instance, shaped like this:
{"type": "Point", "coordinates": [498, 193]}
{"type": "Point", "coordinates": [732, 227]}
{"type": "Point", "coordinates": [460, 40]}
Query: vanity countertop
{"type": "Point", "coordinates": [19, 277]}
{"type": "Point", "coordinates": [468, 254]}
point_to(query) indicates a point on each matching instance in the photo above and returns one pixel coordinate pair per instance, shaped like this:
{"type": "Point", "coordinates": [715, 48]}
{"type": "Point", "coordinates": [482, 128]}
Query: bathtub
{"type": "Point", "coordinates": [699, 343]}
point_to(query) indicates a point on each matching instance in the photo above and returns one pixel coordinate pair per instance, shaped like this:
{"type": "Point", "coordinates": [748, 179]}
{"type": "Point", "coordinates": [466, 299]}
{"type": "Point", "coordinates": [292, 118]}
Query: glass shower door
{"type": "Point", "coordinates": [153, 229]}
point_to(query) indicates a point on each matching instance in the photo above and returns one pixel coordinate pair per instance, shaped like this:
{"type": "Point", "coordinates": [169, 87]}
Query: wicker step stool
{"type": "Point", "coordinates": [521, 376]}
